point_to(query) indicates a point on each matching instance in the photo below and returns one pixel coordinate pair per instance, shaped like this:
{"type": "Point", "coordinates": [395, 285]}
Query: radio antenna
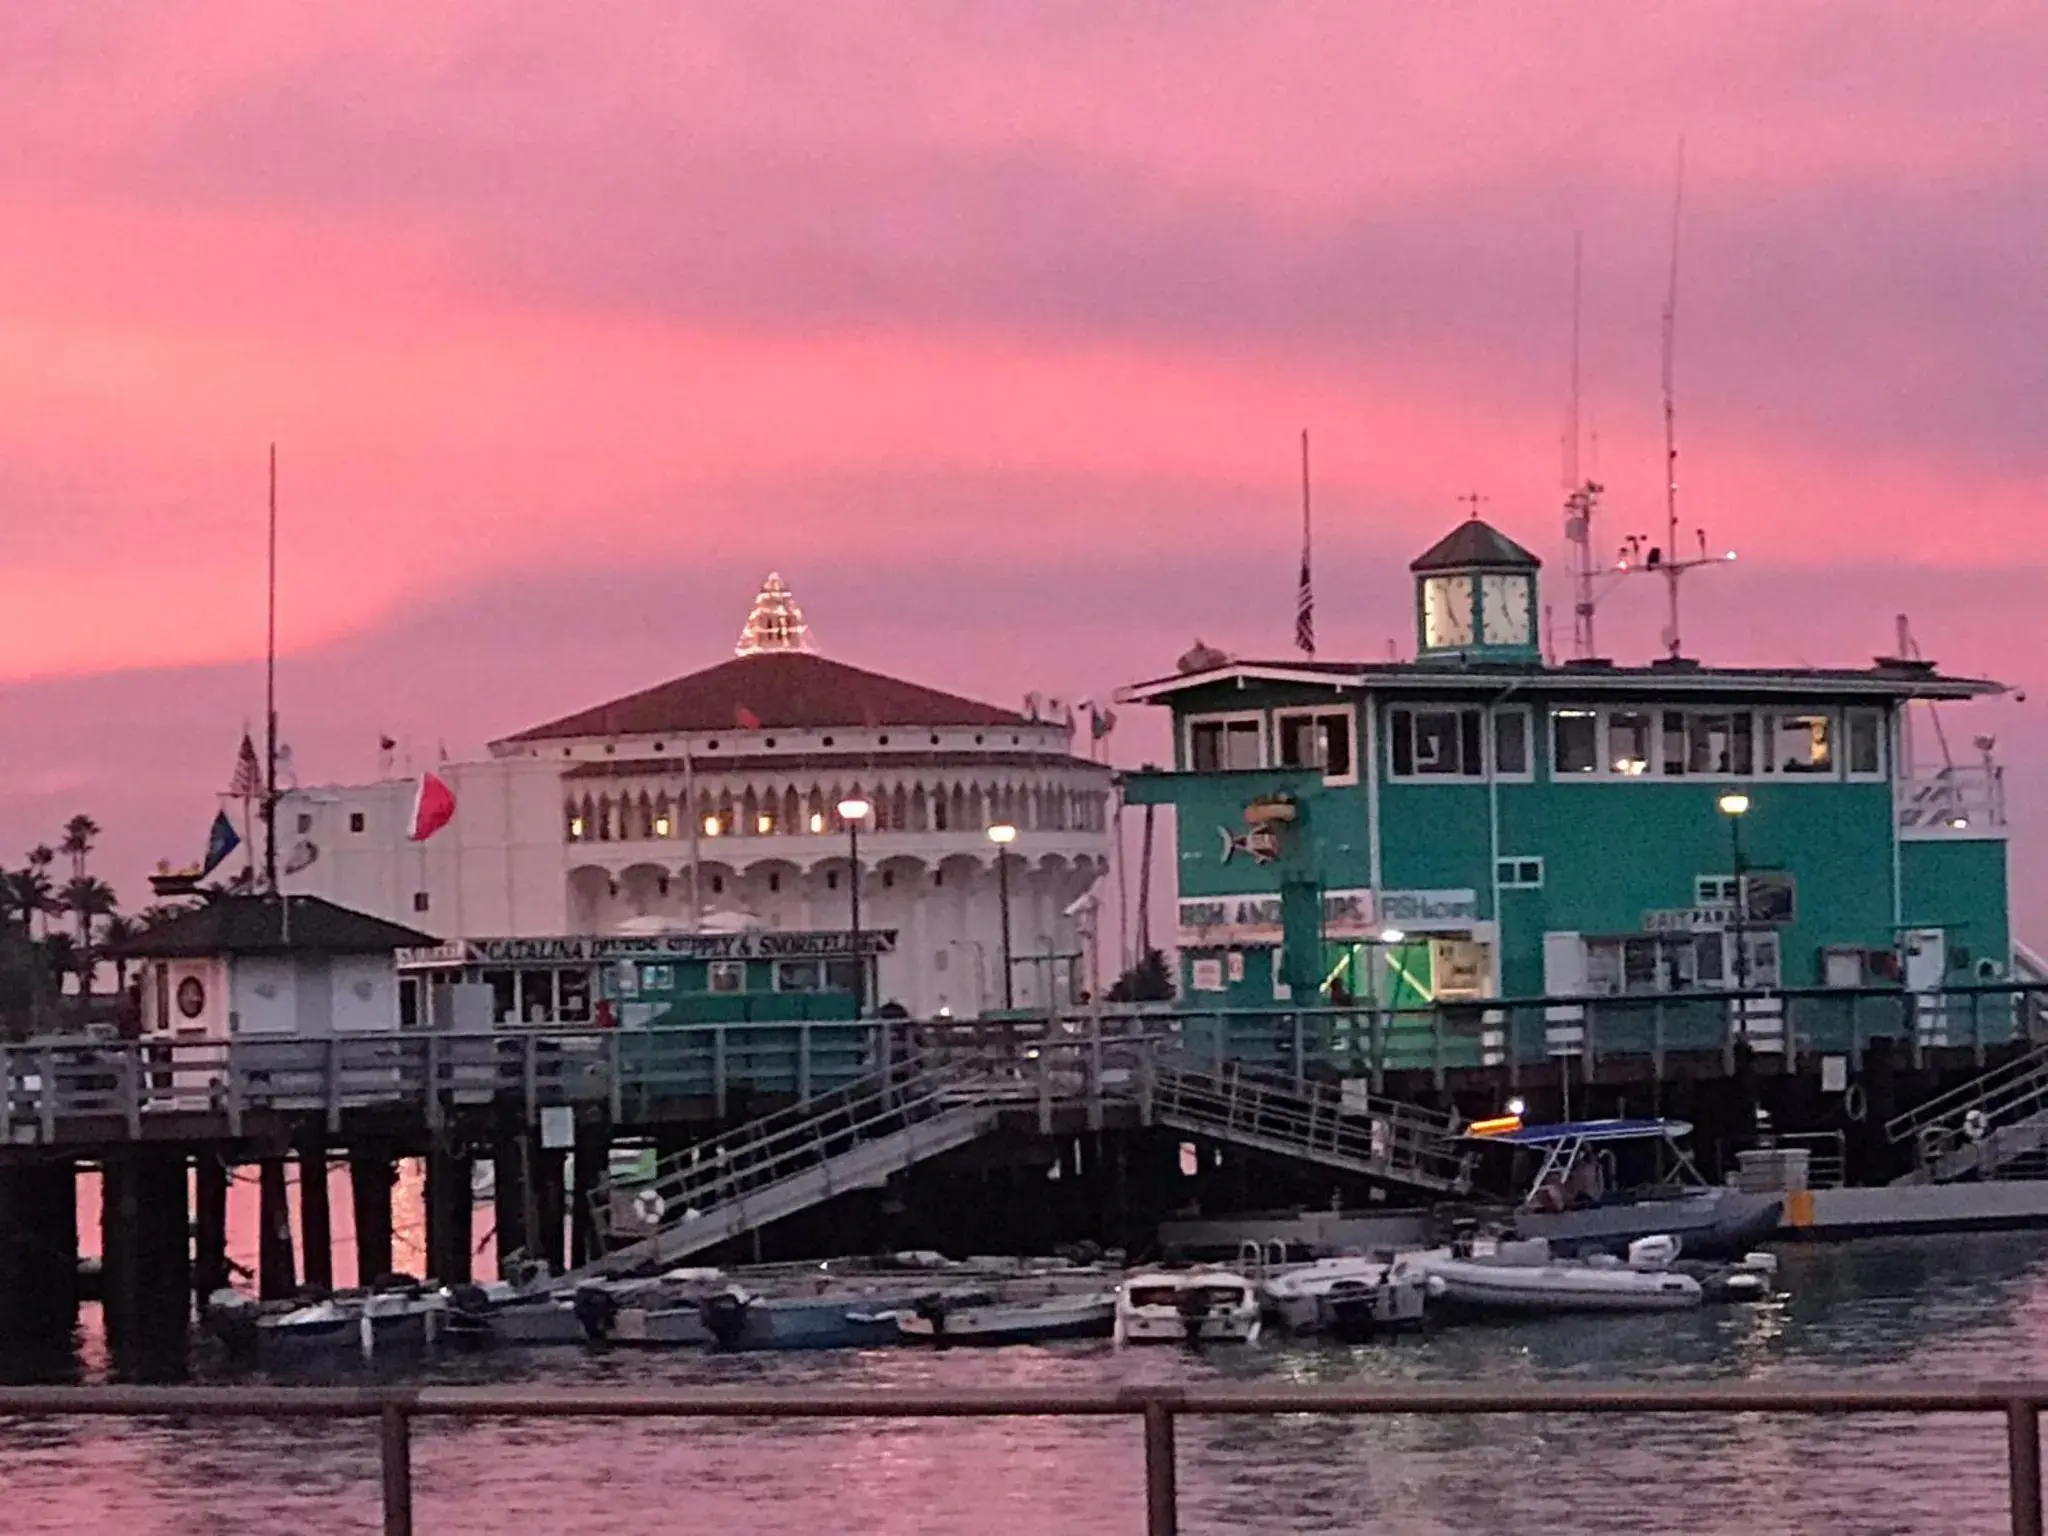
{"type": "Point", "coordinates": [1582, 497]}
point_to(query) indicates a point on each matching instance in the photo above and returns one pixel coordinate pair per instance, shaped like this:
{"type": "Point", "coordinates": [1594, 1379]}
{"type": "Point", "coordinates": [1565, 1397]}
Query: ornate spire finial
{"type": "Point", "coordinates": [776, 623]}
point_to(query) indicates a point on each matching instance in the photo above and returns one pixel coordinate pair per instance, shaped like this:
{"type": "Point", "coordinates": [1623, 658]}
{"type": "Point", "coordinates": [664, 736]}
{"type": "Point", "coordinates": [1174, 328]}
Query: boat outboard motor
{"type": "Point", "coordinates": [933, 1310]}
{"type": "Point", "coordinates": [725, 1316]}
{"type": "Point", "coordinates": [597, 1309]}
{"type": "Point", "coordinates": [1658, 1251]}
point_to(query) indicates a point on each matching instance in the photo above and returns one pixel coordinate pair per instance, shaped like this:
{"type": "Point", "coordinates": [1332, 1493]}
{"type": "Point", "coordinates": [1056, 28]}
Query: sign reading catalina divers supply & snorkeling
{"type": "Point", "coordinates": [1429, 911]}
{"type": "Point", "coordinates": [1207, 922]}
{"type": "Point", "coordinates": [756, 945]}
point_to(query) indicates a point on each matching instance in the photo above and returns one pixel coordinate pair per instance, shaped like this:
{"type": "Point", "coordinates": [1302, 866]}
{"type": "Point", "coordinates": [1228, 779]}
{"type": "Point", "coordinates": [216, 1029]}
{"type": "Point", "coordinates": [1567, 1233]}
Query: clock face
{"type": "Point", "coordinates": [1447, 611]}
{"type": "Point", "coordinates": [1504, 608]}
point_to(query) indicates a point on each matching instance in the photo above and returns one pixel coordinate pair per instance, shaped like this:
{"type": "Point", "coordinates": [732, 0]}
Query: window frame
{"type": "Point", "coordinates": [1511, 872]}
{"type": "Point", "coordinates": [1767, 767]}
{"type": "Point", "coordinates": [1527, 773]}
{"type": "Point", "coordinates": [1226, 719]}
{"type": "Point", "coordinates": [1880, 734]}
{"type": "Point", "coordinates": [1349, 712]}
{"type": "Point", "coordinates": [1593, 774]}
{"type": "Point", "coordinates": [1475, 774]}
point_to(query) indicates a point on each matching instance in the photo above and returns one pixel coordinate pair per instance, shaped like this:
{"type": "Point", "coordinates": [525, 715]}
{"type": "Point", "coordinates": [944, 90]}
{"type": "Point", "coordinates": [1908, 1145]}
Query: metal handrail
{"type": "Point", "coordinates": [2019, 1404]}
{"type": "Point", "coordinates": [1312, 1118]}
{"type": "Point", "coordinates": [763, 1152]}
{"type": "Point", "coordinates": [2020, 1073]}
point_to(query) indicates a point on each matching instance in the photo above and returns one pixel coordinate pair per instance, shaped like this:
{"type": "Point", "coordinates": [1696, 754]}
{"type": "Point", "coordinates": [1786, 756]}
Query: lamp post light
{"type": "Point", "coordinates": [1734, 804]}
{"type": "Point", "coordinates": [1002, 834]}
{"type": "Point", "coordinates": [853, 810]}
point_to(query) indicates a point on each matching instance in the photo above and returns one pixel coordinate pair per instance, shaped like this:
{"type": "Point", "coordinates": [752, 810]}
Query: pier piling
{"type": "Point", "coordinates": [316, 1225]}
{"type": "Point", "coordinates": [38, 1251]}
{"type": "Point", "coordinates": [275, 1273]}
{"type": "Point", "coordinates": [593, 1162]}
{"type": "Point", "coordinates": [509, 1200]}
{"type": "Point", "coordinates": [210, 1224]}
{"type": "Point", "coordinates": [449, 1203]}
{"type": "Point", "coordinates": [370, 1178]}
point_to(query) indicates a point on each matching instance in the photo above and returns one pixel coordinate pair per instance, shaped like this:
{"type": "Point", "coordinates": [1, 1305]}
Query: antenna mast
{"type": "Point", "coordinates": [1581, 496]}
{"type": "Point", "coordinates": [1672, 568]}
{"type": "Point", "coordinates": [1664, 559]}
{"type": "Point", "coordinates": [270, 699]}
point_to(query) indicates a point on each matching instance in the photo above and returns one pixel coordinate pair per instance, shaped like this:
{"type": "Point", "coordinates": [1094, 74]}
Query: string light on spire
{"type": "Point", "coordinates": [776, 623]}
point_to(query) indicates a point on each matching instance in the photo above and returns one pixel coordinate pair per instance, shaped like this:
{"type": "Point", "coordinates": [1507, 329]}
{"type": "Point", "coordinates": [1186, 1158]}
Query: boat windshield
{"type": "Point", "coordinates": [1218, 1295]}
{"type": "Point", "coordinates": [1153, 1295]}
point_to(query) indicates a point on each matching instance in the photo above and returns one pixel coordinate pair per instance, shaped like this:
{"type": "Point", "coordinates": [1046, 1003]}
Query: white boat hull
{"type": "Point", "coordinates": [1559, 1287]}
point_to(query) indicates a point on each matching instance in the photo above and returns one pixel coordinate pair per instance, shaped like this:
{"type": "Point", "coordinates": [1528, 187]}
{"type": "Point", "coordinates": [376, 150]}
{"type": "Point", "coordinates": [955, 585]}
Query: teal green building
{"type": "Point", "coordinates": [1480, 823]}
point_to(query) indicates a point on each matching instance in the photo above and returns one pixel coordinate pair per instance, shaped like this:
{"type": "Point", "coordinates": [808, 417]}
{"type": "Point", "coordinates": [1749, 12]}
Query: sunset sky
{"type": "Point", "coordinates": [991, 327]}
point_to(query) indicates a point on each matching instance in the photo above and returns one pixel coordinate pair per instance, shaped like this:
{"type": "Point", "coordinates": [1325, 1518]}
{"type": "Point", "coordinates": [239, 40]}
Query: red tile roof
{"type": "Point", "coordinates": [781, 690]}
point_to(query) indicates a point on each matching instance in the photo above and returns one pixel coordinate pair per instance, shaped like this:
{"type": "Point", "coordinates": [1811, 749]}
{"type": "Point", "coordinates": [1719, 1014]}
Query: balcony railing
{"type": "Point", "coordinates": [2018, 1405]}
{"type": "Point", "coordinates": [1962, 798]}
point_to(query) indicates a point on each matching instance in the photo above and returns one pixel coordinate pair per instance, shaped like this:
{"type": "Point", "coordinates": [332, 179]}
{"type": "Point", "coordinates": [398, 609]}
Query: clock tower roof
{"type": "Point", "coordinates": [1475, 545]}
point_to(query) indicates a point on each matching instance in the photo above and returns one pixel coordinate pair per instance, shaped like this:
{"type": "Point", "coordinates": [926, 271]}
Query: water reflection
{"type": "Point", "coordinates": [1961, 1308]}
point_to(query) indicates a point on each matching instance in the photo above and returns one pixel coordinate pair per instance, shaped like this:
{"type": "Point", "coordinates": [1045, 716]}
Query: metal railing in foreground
{"type": "Point", "coordinates": [2019, 1404]}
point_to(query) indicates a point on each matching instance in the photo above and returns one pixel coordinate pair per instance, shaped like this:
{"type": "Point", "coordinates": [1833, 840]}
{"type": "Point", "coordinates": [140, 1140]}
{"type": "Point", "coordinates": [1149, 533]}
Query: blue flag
{"type": "Point", "coordinates": [220, 842]}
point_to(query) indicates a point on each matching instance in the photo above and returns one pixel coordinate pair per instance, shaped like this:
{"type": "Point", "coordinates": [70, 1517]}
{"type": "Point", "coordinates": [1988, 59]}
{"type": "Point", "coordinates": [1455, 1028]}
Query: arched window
{"type": "Point", "coordinates": [899, 809]}
{"type": "Point", "coordinates": [920, 811]}
{"type": "Point", "coordinates": [572, 822]}
{"type": "Point", "coordinates": [792, 811]}
{"type": "Point", "coordinates": [975, 820]}
{"type": "Point", "coordinates": [816, 818]}
{"type": "Point", "coordinates": [750, 813]}
{"type": "Point", "coordinates": [959, 809]}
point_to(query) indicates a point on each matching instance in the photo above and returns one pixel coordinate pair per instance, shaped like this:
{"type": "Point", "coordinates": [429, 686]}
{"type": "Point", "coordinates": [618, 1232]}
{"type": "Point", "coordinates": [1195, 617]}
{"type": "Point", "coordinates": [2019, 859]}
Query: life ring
{"type": "Point", "coordinates": [1973, 1125]}
{"type": "Point", "coordinates": [649, 1207]}
{"type": "Point", "coordinates": [1855, 1103]}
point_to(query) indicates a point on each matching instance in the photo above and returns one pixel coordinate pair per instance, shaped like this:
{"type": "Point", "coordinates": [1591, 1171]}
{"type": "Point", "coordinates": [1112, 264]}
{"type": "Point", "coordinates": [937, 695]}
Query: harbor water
{"type": "Point", "coordinates": [1899, 1310]}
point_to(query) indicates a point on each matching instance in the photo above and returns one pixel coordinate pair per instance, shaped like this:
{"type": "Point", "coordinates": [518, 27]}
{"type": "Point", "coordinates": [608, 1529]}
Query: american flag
{"type": "Point", "coordinates": [1305, 598]}
{"type": "Point", "coordinates": [247, 783]}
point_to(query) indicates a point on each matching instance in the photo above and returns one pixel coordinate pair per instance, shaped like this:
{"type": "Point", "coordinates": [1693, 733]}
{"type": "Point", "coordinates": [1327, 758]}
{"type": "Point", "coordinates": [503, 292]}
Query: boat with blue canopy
{"type": "Point", "coordinates": [1601, 1184]}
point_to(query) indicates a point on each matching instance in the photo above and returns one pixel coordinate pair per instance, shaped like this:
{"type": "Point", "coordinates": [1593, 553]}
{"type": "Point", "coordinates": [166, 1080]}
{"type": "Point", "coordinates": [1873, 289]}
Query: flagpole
{"type": "Point", "coordinates": [1305, 596]}
{"type": "Point", "coordinates": [696, 848]}
{"type": "Point", "coordinates": [270, 718]}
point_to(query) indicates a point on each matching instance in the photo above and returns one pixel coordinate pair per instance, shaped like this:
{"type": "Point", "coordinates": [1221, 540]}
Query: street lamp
{"type": "Point", "coordinates": [1734, 804]}
{"type": "Point", "coordinates": [853, 810]}
{"type": "Point", "coordinates": [1002, 834]}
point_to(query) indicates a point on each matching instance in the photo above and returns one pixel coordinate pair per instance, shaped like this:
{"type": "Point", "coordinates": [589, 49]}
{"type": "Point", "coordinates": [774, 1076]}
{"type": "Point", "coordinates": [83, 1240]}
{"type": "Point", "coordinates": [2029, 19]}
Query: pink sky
{"type": "Point", "coordinates": [991, 327]}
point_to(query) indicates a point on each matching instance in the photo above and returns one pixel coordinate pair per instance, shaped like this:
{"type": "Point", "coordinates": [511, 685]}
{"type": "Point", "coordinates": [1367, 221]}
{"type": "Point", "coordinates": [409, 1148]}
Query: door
{"type": "Point", "coordinates": [1926, 966]}
{"type": "Point", "coordinates": [1564, 975]}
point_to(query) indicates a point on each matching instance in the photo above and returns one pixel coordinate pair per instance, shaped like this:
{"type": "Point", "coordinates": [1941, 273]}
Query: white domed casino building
{"type": "Point", "coordinates": [712, 802]}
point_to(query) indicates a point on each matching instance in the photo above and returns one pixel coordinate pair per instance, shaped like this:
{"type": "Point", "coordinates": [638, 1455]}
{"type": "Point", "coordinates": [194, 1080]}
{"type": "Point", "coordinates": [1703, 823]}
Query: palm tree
{"type": "Point", "coordinates": [33, 896]}
{"type": "Point", "coordinates": [87, 897]}
{"type": "Point", "coordinates": [119, 932]}
{"type": "Point", "coordinates": [79, 832]}
{"type": "Point", "coordinates": [60, 959]}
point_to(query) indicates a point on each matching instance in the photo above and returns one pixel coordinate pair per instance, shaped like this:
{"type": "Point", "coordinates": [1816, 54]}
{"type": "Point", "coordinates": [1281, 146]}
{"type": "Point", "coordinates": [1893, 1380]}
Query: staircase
{"type": "Point", "coordinates": [784, 1163]}
{"type": "Point", "coordinates": [1382, 1139]}
{"type": "Point", "coordinates": [1980, 1127]}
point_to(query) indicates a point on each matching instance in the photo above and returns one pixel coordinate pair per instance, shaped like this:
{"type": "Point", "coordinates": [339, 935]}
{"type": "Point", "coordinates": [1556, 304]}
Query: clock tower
{"type": "Point", "coordinates": [1475, 597]}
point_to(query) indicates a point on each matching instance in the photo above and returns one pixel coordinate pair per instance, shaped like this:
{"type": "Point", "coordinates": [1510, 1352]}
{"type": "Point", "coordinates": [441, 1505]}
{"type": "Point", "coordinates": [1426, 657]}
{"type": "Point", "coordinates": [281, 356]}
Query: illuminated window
{"type": "Point", "coordinates": [1628, 742]}
{"type": "Point", "coordinates": [576, 827]}
{"type": "Point", "coordinates": [764, 824]}
{"type": "Point", "coordinates": [711, 826]}
{"type": "Point", "coordinates": [1801, 743]}
{"type": "Point", "coordinates": [661, 826]}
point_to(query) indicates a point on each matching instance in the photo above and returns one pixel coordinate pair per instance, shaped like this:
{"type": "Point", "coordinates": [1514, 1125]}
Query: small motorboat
{"type": "Point", "coordinates": [1600, 1184]}
{"type": "Point", "coordinates": [1520, 1275]}
{"type": "Point", "coordinates": [1187, 1306]}
{"type": "Point", "coordinates": [1349, 1298]}
{"type": "Point", "coordinates": [397, 1314]}
{"type": "Point", "coordinates": [986, 1319]}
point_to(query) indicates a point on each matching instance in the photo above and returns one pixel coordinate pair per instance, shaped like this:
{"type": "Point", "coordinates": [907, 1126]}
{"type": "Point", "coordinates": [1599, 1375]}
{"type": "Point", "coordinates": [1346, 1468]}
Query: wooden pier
{"type": "Point", "coordinates": [1293, 1103]}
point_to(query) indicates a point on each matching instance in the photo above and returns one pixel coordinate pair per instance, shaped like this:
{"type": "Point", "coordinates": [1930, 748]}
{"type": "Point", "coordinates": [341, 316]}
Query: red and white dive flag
{"type": "Point", "coordinates": [433, 807]}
